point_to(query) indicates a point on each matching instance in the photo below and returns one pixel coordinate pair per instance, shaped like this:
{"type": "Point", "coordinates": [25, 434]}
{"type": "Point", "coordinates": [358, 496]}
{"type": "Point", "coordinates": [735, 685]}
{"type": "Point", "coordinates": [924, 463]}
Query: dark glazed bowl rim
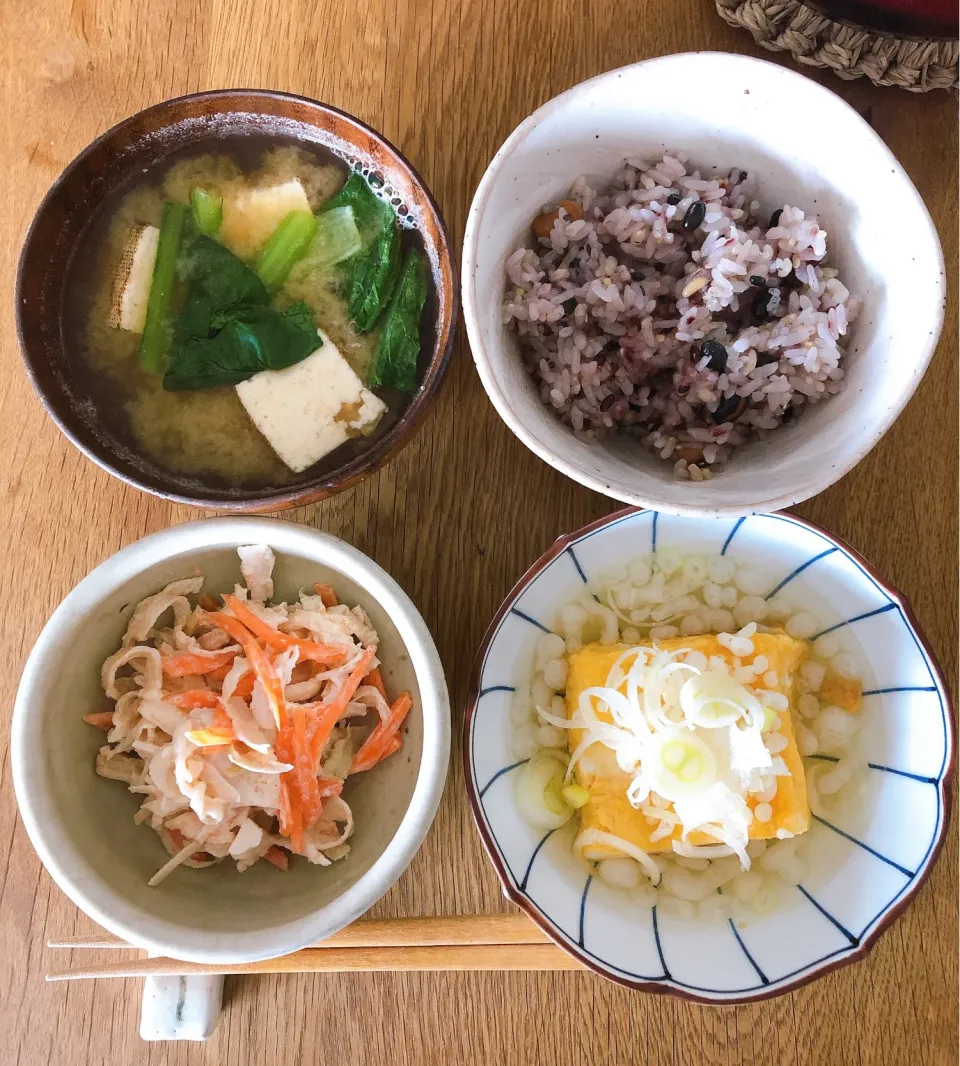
{"type": "Point", "coordinates": [857, 952]}
{"type": "Point", "coordinates": [381, 451]}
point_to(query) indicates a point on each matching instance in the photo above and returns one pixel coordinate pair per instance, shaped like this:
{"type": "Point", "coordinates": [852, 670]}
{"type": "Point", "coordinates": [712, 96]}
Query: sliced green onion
{"type": "Point", "coordinates": [575, 796]}
{"type": "Point", "coordinates": [552, 795]}
{"type": "Point", "coordinates": [538, 791]}
{"type": "Point", "coordinates": [156, 330]}
{"type": "Point", "coordinates": [680, 764]}
{"type": "Point", "coordinates": [207, 211]}
{"type": "Point", "coordinates": [286, 245]}
{"type": "Point", "coordinates": [337, 238]}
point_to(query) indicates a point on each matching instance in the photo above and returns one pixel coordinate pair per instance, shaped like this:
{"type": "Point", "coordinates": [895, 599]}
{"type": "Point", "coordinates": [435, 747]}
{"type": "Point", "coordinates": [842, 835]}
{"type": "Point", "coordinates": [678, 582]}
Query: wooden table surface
{"type": "Point", "coordinates": [446, 81]}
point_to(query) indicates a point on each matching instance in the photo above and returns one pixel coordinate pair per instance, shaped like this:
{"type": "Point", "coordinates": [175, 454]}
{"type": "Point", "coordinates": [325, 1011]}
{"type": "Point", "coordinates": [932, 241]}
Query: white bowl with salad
{"type": "Point", "coordinates": [254, 299]}
{"type": "Point", "coordinates": [230, 739]}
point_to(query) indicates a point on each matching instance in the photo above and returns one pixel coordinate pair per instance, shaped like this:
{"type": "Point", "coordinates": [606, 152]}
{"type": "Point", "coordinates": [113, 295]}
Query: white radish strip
{"type": "Point", "coordinates": [597, 836]}
{"type": "Point", "coordinates": [191, 848]}
{"type": "Point", "coordinates": [701, 851]}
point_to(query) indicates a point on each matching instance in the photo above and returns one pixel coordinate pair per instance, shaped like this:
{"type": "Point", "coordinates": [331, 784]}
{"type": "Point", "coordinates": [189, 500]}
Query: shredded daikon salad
{"type": "Point", "coordinates": [238, 722]}
{"type": "Point", "coordinates": [695, 738]}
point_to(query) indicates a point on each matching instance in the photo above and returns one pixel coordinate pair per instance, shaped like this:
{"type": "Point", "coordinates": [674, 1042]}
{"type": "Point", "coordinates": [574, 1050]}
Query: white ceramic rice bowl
{"type": "Point", "coordinates": [724, 110]}
{"type": "Point", "coordinates": [863, 866]}
{"type": "Point", "coordinates": [82, 825]}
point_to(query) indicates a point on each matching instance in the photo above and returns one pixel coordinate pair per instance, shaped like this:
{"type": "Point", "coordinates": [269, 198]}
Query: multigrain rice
{"type": "Point", "coordinates": [615, 312]}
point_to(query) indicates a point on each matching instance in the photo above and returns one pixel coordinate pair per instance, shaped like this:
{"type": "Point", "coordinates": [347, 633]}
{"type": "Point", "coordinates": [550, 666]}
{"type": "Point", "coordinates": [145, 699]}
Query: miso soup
{"type": "Point", "coordinates": [248, 312]}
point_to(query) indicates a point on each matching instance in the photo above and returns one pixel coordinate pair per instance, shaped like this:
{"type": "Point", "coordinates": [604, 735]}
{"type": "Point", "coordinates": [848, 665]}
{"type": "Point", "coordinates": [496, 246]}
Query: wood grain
{"type": "Point", "coordinates": [446, 81]}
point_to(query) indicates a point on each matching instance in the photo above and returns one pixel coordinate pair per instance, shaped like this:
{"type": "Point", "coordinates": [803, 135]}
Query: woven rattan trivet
{"type": "Point", "coordinates": [850, 51]}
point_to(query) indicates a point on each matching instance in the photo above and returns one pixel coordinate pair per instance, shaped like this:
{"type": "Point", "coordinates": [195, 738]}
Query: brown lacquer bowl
{"type": "Point", "coordinates": [113, 161]}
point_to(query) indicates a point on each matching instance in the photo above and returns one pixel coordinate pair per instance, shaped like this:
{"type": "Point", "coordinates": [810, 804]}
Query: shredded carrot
{"type": "Point", "coordinates": [309, 649]}
{"type": "Point", "coordinates": [220, 673]}
{"type": "Point", "coordinates": [260, 629]}
{"type": "Point", "coordinates": [244, 687]}
{"type": "Point", "coordinates": [198, 697]}
{"type": "Point", "coordinates": [277, 856]}
{"type": "Point", "coordinates": [306, 770]}
{"type": "Point", "coordinates": [222, 720]}
{"type": "Point", "coordinates": [378, 745]}
{"type": "Point", "coordinates": [375, 678]}
{"type": "Point", "coordinates": [100, 719]}
{"type": "Point", "coordinates": [329, 786]}
{"type": "Point", "coordinates": [326, 593]}
{"type": "Point", "coordinates": [285, 812]}
{"type": "Point", "coordinates": [189, 663]}
{"type": "Point", "coordinates": [291, 810]}
{"type": "Point", "coordinates": [257, 658]}
{"type": "Point", "coordinates": [329, 714]}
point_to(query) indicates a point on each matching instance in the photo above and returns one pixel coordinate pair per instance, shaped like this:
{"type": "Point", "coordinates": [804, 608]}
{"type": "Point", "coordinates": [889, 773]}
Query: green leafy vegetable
{"type": "Point", "coordinates": [395, 361]}
{"type": "Point", "coordinates": [370, 275]}
{"type": "Point", "coordinates": [156, 330]}
{"type": "Point", "coordinates": [226, 331]}
{"type": "Point", "coordinates": [244, 341]}
{"type": "Point", "coordinates": [288, 243]}
{"type": "Point", "coordinates": [220, 275]}
{"type": "Point", "coordinates": [207, 211]}
{"type": "Point", "coordinates": [337, 238]}
{"type": "Point", "coordinates": [369, 211]}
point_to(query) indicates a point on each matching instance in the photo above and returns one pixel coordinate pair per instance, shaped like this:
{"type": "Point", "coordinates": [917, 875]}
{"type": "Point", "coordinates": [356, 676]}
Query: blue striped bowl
{"type": "Point", "coordinates": [866, 864]}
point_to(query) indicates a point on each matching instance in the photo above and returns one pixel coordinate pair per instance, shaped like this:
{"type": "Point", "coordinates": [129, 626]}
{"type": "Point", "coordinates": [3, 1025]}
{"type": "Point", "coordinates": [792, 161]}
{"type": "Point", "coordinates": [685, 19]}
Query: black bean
{"type": "Point", "coordinates": [755, 279]}
{"type": "Point", "coordinates": [612, 344]}
{"type": "Point", "coordinates": [775, 218]}
{"type": "Point", "coordinates": [607, 403]}
{"type": "Point", "coordinates": [673, 199]}
{"type": "Point", "coordinates": [767, 358]}
{"type": "Point", "coordinates": [729, 409]}
{"type": "Point", "coordinates": [760, 307]}
{"type": "Point", "coordinates": [569, 306]}
{"type": "Point", "coordinates": [695, 215]}
{"type": "Point", "coordinates": [717, 355]}
{"type": "Point", "coordinates": [787, 416]}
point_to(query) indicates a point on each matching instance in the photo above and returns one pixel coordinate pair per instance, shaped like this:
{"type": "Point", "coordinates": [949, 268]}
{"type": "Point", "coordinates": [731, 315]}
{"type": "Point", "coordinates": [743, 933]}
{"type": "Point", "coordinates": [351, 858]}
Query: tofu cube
{"type": "Point", "coordinates": [132, 279]}
{"type": "Point", "coordinates": [253, 214]}
{"type": "Point", "coordinates": [308, 409]}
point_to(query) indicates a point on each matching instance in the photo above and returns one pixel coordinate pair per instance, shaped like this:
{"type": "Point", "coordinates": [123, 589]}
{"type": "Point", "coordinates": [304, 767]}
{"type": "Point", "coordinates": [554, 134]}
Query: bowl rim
{"type": "Point", "coordinates": [383, 450]}
{"type": "Point", "coordinates": [225, 534]}
{"type": "Point", "coordinates": [664, 987]}
{"type": "Point", "coordinates": [514, 418]}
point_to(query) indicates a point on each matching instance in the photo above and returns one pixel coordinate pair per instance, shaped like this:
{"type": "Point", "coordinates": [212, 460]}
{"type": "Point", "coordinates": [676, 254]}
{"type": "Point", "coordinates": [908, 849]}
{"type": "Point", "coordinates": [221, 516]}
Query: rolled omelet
{"type": "Point", "coordinates": [608, 808]}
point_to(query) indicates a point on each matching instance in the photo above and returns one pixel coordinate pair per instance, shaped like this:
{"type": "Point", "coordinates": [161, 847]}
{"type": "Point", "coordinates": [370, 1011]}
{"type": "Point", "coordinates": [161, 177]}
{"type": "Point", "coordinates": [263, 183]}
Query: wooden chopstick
{"type": "Point", "coordinates": [455, 942]}
{"type": "Point", "coordinates": [343, 960]}
{"type": "Point", "coordinates": [450, 930]}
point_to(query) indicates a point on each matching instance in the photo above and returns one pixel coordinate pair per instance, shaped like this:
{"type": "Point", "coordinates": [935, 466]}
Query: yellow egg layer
{"type": "Point", "coordinates": [608, 809]}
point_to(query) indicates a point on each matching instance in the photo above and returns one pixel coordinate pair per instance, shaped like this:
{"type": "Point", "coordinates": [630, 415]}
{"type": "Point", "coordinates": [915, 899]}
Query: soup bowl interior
{"type": "Point", "coordinates": [115, 163]}
{"type": "Point", "coordinates": [82, 824]}
{"type": "Point", "coordinates": [866, 852]}
{"type": "Point", "coordinates": [800, 144]}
